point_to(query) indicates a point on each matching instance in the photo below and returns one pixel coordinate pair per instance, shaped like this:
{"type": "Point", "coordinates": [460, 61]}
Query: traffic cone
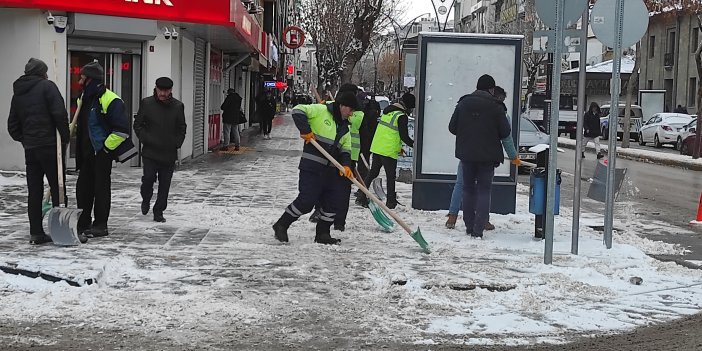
{"type": "Point", "coordinates": [698, 220]}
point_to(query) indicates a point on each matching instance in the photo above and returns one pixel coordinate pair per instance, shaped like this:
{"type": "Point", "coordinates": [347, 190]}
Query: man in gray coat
{"type": "Point", "coordinates": [160, 126]}
{"type": "Point", "coordinates": [479, 123]}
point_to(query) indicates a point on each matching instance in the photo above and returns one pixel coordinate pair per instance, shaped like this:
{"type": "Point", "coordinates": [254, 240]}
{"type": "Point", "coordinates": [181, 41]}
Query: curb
{"type": "Point", "coordinates": [659, 160]}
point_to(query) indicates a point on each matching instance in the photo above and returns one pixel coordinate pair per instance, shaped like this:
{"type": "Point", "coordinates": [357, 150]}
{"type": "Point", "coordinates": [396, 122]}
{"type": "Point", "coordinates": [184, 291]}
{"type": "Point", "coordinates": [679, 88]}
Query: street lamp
{"type": "Point", "coordinates": [399, 46]}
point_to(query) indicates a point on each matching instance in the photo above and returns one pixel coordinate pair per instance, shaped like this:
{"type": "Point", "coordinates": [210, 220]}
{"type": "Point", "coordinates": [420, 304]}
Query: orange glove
{"type": "Point", "coordinates": [348, 173]}
{"type": "Point", "coordinates": [516, 162]}
{"type": "Point", "coordinates": [307, 137]}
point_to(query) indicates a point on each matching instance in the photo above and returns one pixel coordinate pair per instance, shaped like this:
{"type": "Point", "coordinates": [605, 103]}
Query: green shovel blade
{"type": "Point", "coordinates": [45, 207]}
{"type": "Point", "coordinates": [380, 217]}
{"type": "Point", "coordinates": [417, 236]}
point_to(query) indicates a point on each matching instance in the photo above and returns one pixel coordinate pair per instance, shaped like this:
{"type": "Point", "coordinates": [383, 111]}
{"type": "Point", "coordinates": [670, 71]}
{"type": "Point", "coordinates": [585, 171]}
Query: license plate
{"type": "Point", "coordinates": [527, 156]}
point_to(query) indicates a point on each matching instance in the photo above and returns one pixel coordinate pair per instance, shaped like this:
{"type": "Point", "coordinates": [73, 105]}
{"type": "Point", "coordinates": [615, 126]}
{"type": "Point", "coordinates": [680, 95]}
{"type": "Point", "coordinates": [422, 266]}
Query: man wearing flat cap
{"type": "Point", "coordinates": [160, 126]}
{"type": "Point", "coordinates": [102, 128]}
{"type": "Point", "coordinates": [37, 111]}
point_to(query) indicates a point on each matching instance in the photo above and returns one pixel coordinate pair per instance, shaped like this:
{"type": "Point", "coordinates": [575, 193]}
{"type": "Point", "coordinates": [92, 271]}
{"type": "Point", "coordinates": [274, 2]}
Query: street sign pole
{"type": "Point", "coordinates": [614, 123]}
{"type": "Point", "coordinates": [579, 147]}
{"type": "Point", "coordinates": [552, 157]}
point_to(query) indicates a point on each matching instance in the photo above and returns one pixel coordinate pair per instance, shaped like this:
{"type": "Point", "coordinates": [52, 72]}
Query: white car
{"type": "Point", "coordinates": [529, 135]}
{"type": "Point", "coordinates": [687, 130]}
{"type": "Point", "coordinates": [663, 128]}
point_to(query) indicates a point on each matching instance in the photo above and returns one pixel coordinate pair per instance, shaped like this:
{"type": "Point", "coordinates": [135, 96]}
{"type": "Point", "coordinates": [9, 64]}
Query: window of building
{"type": "Point", "coordinates": [695, 41]}
{"type": "Point", "coordinates": [651, 46]}
{"type": "Point", "coordinates": [671, 43]}
{"type": "Point", "coordinates": [649, 84]}
{"type": "Point", "coordinates": [692, 92]}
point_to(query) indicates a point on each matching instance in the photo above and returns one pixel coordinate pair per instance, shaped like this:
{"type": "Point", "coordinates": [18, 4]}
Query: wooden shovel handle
{"type": "Point", "coordinates": [363, 188]}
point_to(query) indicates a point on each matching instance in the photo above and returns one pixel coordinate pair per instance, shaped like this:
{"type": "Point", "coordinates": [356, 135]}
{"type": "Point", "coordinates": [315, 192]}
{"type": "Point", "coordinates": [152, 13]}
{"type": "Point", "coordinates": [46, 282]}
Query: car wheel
{"type": "Point", "coordinates": [657, 143]}
{"type": "Point", "coordinates": [683, 149]}
{"type": "Point", "coordinates": [605, 133]}
{"type": "Point", "coordinates": [678, 144]}
{"type": "Point", "coordinates": [641, 140]}
{"type": "Point", "coordinates": [572, 135]}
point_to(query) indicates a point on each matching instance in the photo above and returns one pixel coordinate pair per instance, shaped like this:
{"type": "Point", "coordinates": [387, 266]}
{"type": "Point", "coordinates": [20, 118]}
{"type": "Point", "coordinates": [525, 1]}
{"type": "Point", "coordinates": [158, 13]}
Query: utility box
{"type": "Point", "coordinates": [537, 191]}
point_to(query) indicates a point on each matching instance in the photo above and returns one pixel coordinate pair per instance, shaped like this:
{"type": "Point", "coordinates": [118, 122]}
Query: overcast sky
{"type": "Point", "coordinates": [418, 7]}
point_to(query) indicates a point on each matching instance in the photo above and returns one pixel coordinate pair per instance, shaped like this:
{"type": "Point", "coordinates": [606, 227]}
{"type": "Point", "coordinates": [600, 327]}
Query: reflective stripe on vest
{"type": "Point", "coordinates": [356, 121]}
{"type": "Point", "coordinates": [386, 141]}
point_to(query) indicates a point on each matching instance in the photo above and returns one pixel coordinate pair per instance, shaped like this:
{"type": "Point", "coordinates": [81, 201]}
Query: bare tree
{"type": "Point", "coordinates": [630, 87]}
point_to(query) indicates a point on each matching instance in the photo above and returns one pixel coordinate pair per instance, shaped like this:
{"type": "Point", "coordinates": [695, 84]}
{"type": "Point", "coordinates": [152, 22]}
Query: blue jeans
{"type": "Point", "coordinates": [477, 184]}
{"type": "Point", "coordinates": [457, 194]}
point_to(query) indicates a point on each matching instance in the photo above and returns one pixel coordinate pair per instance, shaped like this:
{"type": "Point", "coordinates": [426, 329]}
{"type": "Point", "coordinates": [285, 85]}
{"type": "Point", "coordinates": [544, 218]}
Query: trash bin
{"type": "Point", "coordinates": [537, 191]}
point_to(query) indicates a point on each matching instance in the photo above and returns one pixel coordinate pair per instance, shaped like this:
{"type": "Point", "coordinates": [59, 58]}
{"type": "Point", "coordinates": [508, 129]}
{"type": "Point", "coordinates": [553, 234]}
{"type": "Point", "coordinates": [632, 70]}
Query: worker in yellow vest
{"type": "Point", "coordinates": [390, 133]}
{"type": "Point", "coordinates": [319, 179]}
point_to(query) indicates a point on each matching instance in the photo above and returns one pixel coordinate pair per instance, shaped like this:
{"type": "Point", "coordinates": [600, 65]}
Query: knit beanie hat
{"type": "Point", "coordinates": [409, 101]}
{"type": "Point", "coordinates": [36, 67]}
{"type": "Point", "coordinates": [486, 82]}
{"type": "Point", "coordinates": [348, 99]}
{"type": "Point", "coordinates": [93, 70]}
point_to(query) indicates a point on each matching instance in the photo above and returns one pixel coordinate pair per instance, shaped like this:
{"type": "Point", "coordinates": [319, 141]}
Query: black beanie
{"type": "Point", "coordinates": [164, 83]}
{"type": "Point", "coordinates": [93, 70]}
{"type": "Point", "coordinates": [36, 67]}
{"type": "Point", "coordinates": [486, 82]}
{"type": "Point", "coordinates": [348, 99]}
{"type": "Point", "coordinates": [348, 87]}
{"type": "Point", "coordinates": [409, 100]}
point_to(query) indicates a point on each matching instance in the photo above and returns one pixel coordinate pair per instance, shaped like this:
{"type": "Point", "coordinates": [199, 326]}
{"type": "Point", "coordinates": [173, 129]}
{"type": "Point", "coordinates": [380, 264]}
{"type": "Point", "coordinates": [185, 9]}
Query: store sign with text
{"type": "Point", "coordinates": [215, 12]}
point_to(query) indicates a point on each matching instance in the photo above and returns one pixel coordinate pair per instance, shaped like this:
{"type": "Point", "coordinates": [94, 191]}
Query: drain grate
{"type": "Point", "coordinates": [47, 277]}
{"type": "Point", "coordinates": [462, 287]}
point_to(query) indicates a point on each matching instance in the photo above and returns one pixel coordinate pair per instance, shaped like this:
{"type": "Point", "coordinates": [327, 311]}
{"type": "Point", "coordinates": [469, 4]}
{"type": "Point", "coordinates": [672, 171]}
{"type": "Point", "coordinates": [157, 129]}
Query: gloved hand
{"type": "Point", "coordinates": [348, 173]}
{"type": "Point", "coordinates": [308, 137]}
{"type": "Point", "coordinates": [516, 162]}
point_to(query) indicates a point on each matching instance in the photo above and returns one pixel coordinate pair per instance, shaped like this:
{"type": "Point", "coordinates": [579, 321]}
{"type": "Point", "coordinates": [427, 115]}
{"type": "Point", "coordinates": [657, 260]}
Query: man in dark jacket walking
{"type": "Point", "coordinates": [479, 124]}
{"type": "Point", "coordinates": [37, 110]}
{"type": "Point", "coordinates": [102, 127]}
{"type": "Point", "coordinates": [231, 118]}
{"type": "Point", "coordinates": [160, 126]}
{"type": "Point", "coordinates": [591, 128]}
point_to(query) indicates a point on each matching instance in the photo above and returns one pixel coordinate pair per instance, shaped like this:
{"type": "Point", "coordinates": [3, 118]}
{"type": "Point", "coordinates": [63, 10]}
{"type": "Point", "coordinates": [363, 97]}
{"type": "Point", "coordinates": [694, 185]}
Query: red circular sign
{"type": "Point", "coordinates": [295, 39]}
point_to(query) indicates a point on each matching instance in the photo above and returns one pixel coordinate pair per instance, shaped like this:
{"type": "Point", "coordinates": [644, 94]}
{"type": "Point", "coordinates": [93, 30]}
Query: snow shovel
{"type": "Point", "coordinates": [46, 205]}
{"type": "Point", "coordinates": [416, 235]}
{"type": "Point", "coordinates": [63, 222]}
{"type": "Point", "coordinates": [376, 211]}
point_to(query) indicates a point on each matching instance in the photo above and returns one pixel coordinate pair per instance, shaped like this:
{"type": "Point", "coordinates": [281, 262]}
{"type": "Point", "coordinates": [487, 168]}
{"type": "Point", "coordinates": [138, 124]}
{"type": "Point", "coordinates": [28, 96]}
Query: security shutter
{"type": "Point", "coordinates": [199, 108]}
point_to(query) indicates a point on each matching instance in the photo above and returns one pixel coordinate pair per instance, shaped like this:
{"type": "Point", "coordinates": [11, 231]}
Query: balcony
{"type": "Point", "coordinates": [668, 60]}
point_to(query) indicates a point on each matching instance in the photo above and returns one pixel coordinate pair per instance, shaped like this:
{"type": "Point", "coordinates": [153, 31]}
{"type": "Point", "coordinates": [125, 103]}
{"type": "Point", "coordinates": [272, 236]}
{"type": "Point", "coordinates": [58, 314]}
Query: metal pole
{"type": "Point", "coordinates": [579, 147]}
{"type": "Point", "coordinates": [553, 155]}
{"type": "Point", "coordinates": [613, 123]}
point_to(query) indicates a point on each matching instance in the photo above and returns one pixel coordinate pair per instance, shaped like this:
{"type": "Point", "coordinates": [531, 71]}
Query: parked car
{"type": "Point", "coordinates": [663, 128]}
{"type": "Point", "coordinates": [530, 135]}
{"type": "Point", "coordinates": [687, 130]}
{"type": "Point", "coordinates": [688, 144]}
{"type": "Point", "coordinates": [634, 121]}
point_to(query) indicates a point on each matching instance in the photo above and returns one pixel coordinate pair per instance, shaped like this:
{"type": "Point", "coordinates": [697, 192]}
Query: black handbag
{"type": "Point", "coordinates": [242, 117]}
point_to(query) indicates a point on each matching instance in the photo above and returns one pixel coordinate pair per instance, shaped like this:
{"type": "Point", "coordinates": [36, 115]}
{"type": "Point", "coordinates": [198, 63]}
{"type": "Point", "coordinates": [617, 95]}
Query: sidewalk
{"type": "Point", "coordinates": [648, 156]}
{"type": "Point", "coordinates": [213, 277]}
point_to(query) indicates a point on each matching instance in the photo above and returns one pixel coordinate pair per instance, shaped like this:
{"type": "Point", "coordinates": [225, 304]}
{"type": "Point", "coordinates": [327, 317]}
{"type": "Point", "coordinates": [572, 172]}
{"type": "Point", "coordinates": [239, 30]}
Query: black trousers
{"type": "Point", "coordinates": [319, 188]}
{"type": "Point", "coordinates": [164, 173]}
{"type": "Point", "coordinates": [266, 124]}
{"type": "Point", "coordinates": [40, 162]}
{"type": "Point", "coordinates": [94, 190]}
{"type": "Point", "coordinates": [390, 165]}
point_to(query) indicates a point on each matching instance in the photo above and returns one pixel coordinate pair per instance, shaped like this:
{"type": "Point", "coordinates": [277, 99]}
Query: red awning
{"type": "Point", "coordinates": [227, 13]}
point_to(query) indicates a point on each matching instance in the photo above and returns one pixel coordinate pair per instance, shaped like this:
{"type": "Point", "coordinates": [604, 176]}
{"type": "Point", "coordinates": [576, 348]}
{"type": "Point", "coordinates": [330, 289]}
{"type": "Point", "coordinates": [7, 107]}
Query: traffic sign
{"type": "Point", "coordinates": [603, 19]}
{"type": "Point", "coordinates": [544, 38]}
{"type": "Point", "coordinates": [573, 10]}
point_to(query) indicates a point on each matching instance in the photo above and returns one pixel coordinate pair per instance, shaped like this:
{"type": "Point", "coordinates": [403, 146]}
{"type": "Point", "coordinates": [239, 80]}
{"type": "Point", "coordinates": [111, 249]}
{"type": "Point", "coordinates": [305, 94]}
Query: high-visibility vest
{"type": "Point", "coordinates": [386, 141]}
{"type": "Point", "coordinates": [324, 127]}
{"type": "Point", "coordinates": [356, 120]}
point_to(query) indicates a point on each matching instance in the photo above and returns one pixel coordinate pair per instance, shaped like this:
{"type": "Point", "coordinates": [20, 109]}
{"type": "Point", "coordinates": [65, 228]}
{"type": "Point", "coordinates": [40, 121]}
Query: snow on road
{"type": "Point", "coordinates": [215, 271]}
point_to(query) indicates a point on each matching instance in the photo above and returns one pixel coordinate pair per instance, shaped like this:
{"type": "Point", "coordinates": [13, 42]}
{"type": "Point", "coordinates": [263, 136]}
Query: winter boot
{"type": "Point", "coordinates": [451, 221]}
{"type": "Point", "coordinates": [96, 232]}
{"type": "Point", "coordinates": [600, 155]}
{"type": "Point", "coordinates": [323, 234]}
{"type": "Point", "coordinates": [39, 239]}
{"type": "Point", "coordinates": [489, 226]}
{"type": "Point", "coordinates": [145, 206]}
{"type": "Point", "coordinates": [158, 217]}
{"type": "Point", "coordinates": [391, 201]}
{"type": "Point", "coordinates": [340, 226]}
{"type": "Point", "coordinates": [280, 228]}
{"type": "Point", "coordinates": [362, 200]}
{"type": "Point", "coordinates": [583, 154]}
{"type": "Point", "coordinates": [314, 218]}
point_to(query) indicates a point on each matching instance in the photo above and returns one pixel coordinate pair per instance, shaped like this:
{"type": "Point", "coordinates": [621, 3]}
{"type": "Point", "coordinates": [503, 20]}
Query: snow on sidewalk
{"type": "Point", "coordinates": [214, 271]}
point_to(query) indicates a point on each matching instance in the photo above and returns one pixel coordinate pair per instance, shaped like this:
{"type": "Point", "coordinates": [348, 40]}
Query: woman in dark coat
{"type": "Point", "coordinates": [265, 106]}
{"type": "Point", "coordinates": [591, 129]}
{"type": "Point", "coordinates": [231, 118]}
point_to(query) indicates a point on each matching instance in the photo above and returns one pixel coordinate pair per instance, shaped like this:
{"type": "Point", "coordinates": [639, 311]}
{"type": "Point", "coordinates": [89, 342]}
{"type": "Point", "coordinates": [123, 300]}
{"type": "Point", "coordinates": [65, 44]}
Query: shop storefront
{"type": "Point", "coordinates": [136, 42]}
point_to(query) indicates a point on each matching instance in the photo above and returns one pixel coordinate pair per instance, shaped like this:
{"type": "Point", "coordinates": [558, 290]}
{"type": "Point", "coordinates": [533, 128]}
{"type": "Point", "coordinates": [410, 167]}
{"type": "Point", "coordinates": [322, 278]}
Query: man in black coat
{"type": "Point", "coordinates": [160, 126]}
{"type": "Point", "coordinates": [37, 110]}
{"type": "Point", "coordinates": [231, 118]}
{"type": "Point", "coordinates": [479, 124]}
